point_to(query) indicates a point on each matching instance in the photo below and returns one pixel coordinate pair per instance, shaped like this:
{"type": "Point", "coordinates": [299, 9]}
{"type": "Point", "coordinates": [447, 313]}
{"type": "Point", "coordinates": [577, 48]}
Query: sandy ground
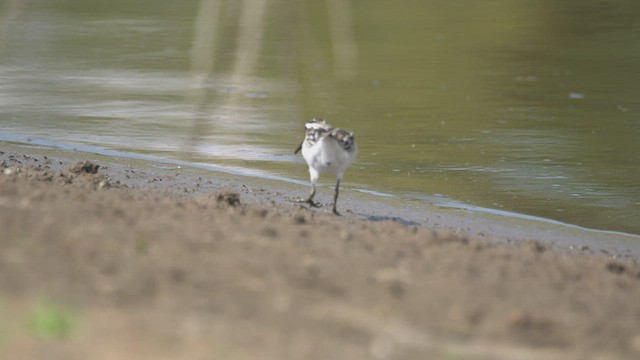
{"type": "Point", "coordinates": [110, 262]}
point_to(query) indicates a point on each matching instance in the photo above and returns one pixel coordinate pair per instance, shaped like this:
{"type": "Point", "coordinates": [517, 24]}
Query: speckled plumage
{"type": "Point", "coordinates": [327, 150]}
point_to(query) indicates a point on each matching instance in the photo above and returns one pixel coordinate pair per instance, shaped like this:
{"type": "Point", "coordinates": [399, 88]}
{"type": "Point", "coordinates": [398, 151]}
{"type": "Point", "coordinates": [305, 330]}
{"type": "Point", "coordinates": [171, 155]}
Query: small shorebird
{"type": "Point", "coordinates": [327, 151]}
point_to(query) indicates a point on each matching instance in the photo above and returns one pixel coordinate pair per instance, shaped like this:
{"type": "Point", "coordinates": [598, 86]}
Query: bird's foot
{"type": "Point", "coordinates": [307, 201]}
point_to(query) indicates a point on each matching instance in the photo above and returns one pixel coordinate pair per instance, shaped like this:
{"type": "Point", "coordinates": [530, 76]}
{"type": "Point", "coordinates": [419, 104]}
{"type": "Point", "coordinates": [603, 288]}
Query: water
{"type": "Point", "coordinates": [520, 106]}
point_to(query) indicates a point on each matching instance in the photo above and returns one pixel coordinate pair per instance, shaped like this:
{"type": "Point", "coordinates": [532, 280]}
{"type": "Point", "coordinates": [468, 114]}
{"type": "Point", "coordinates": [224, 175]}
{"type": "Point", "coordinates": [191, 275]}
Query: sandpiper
{"type": "Point", "coordinates": [326, 150]}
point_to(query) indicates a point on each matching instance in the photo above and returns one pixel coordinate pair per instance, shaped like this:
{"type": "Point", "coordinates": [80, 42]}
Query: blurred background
{"type": "Point", "coordinates": [524, 106]}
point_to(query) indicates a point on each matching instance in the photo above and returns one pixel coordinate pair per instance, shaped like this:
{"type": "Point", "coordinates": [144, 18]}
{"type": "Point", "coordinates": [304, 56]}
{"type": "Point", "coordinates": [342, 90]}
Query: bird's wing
{"type": "Point", "coordinates": [343, 137]}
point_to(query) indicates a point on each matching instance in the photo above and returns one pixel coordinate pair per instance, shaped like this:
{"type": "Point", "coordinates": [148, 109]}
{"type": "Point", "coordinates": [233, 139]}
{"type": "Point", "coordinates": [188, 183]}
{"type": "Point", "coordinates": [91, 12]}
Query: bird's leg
{"type": "Point", "coordinates": [335, 198]}
{"type": "Point", "coordinates": [309, 200]}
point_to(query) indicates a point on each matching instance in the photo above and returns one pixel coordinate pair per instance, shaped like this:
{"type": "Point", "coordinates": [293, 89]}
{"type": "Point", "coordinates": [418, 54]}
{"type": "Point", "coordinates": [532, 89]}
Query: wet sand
{"type": "Point", "coordinates": [129, 260]}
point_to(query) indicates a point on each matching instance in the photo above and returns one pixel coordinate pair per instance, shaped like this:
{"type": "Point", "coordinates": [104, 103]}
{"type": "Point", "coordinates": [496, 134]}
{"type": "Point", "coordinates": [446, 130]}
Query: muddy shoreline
{"type": "Point", "coordinates": [140, 172]}
{"type": "Point", "coordinates": [154, 261]}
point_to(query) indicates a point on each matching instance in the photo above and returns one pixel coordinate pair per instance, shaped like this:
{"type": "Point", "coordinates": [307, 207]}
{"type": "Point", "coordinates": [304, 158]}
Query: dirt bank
{"type": "Point", "coordinates": [94, 264]}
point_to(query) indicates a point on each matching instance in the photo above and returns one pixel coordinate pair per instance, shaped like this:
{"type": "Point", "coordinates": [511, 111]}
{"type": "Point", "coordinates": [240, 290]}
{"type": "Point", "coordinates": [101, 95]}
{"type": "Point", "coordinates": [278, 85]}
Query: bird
{"type": "Point", "coordinates": [327, 150]}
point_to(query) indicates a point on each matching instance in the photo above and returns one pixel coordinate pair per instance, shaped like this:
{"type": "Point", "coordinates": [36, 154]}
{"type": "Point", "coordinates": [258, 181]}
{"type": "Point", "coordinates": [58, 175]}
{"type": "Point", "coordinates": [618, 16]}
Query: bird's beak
{"type": "Point", "coordinates": [299, 147]}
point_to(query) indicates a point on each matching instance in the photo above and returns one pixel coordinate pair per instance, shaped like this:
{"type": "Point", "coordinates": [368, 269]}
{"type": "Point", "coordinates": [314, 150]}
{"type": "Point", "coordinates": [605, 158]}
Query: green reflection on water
{"type": "Point", "coordinates": [527, 106]}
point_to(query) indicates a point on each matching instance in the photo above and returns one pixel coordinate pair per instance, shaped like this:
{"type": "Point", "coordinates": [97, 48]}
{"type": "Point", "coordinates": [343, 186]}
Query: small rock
{"type": "Point", "coordinates": [228, 198]}
{"type": "Point", "coordinates": [86, 167]}
{"type": "Point", "coordinates": [615, 267]}
{"type": "Point", "coordinates": [103, 184]}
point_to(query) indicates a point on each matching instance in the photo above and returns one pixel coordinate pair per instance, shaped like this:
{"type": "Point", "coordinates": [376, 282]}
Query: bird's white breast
{"type": "Point", "coordinates": [327, 156]}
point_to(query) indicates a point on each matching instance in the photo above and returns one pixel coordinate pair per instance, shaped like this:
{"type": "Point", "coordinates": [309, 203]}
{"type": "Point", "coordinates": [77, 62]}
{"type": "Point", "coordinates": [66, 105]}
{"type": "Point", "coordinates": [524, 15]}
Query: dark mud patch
{"type": "Point", "coordinates": [84, 167]}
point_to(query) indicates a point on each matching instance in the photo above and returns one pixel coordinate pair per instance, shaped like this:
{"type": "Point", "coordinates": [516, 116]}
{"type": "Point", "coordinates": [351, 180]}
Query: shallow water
{"type": "Point", "coordinates": [519, 106]}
